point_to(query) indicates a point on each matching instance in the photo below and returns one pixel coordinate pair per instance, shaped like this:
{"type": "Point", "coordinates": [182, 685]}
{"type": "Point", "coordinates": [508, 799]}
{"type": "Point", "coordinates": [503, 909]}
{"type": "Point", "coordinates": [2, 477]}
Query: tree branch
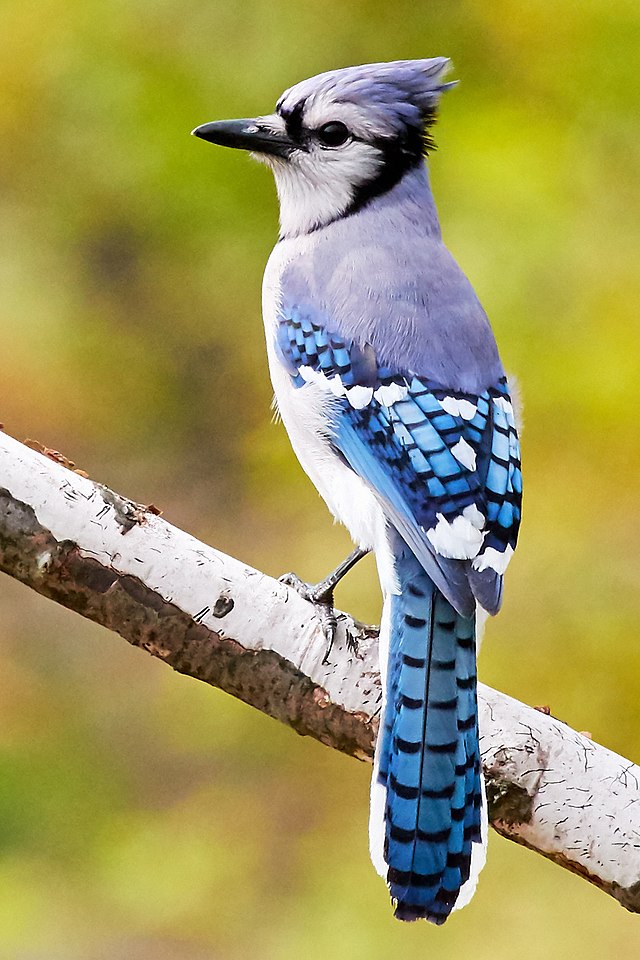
{"type": "Point", "coordinates": [215, 619]}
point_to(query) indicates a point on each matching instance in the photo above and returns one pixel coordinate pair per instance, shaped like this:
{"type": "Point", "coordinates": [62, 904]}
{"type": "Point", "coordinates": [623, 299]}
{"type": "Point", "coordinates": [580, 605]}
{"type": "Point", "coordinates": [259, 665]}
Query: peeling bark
{"type": "Point", "coordinates": [212, 618]}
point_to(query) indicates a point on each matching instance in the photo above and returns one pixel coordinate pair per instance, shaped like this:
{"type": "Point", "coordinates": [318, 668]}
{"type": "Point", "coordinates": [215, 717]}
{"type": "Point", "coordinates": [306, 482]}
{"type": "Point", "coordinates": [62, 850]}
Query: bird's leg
{"type": "Point", "coordinates": [321, 594]}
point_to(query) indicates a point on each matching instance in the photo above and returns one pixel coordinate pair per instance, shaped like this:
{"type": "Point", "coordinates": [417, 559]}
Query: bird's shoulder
{"type": "Point", "coordinates": [399, 293]}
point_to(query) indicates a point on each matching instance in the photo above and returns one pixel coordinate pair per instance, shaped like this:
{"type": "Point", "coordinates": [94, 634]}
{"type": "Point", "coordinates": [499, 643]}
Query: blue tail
{"type": "Point", "coordinates": [428, 757]}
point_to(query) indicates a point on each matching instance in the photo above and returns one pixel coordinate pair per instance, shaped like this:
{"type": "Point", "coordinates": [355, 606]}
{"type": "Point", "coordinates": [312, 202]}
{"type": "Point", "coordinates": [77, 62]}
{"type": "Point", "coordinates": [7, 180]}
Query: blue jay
{"type": "Point", "coordinates": [388, 381]}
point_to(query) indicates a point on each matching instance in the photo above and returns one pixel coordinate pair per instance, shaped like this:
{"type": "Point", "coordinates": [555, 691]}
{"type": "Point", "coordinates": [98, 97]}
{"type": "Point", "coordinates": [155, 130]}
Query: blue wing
{"type": "Point", "coordinates": [444, 464]}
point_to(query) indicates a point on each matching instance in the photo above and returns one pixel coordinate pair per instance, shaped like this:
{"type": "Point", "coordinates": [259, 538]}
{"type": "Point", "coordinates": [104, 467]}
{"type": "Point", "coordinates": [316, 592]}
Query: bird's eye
{"type": "Point", "coordinates": [333, 134]}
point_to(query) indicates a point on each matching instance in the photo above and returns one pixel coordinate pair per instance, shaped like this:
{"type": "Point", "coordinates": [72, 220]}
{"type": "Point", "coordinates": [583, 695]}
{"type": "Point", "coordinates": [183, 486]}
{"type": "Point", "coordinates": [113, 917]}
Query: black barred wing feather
{"type": "Point", "coordinates": [444, 464]}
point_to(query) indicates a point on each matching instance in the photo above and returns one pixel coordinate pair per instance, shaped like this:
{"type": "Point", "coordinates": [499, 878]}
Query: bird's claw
{"type": "Point", "coordinates": [352, 642]}
{"type": "Point", "coordinates": [322, 600]}
{"type": "Point", "coordinates": [316, 593]}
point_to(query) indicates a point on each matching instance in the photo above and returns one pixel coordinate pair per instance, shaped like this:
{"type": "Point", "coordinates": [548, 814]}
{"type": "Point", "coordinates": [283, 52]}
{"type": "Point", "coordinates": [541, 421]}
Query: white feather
{"type": "Point", "coordinates": [316, 185]}
{"type": "Point", "coordinates": [459, 408]}
{"type": "Point", "coordinates": [474, 516]}
{"type": "Point", "coordinates": [494, 559]}
{"type": "Point", "coordinates": [333, 384]}
{"type": "Point", "coordinates": [377, 808]}
{"type": "Point", "coordinates": [378, 801]}
{"type": "Point", "coordinates": [310, 375]}
{"type": "Point", "coordinates": [359, 397]}
{"type": "Point", "coordinates": [306, 413]}
{"type": "Point", "coordinates": [457, 539]}
{"type": "Point", "coordinates": [464, 454]}
{"type": "Point", "coordinates": [481, 621]}
{"type": "Point", "coordinates": [503, 404]}
{"type": "Point", "coordinates": [478, 856]}
{"type": "Point", "coordinates": [390, 394]}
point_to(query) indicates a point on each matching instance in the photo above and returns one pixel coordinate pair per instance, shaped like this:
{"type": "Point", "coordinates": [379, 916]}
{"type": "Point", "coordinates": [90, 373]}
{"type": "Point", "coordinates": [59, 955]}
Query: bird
{"type": "Point", "coordinates": [389, 383]}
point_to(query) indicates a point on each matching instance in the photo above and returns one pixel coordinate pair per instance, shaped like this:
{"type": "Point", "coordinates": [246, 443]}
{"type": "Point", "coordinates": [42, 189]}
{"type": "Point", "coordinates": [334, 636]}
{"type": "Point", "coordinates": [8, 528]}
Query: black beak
{"type": "Point", "coordinates": [245, 135]}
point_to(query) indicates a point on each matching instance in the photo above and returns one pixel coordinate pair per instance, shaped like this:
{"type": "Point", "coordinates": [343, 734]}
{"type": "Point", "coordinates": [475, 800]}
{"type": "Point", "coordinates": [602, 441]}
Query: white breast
{"type": "Point", "coordinates": [304, 412]}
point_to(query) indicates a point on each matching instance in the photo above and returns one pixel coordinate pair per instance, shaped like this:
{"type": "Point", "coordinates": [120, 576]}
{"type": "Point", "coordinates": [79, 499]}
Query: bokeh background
{"type": "Point", "coordinates": [144, 816]}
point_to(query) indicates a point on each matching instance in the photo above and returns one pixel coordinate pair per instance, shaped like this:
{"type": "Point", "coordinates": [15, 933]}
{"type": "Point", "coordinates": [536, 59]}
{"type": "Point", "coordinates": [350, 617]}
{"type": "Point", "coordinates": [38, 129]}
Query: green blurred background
{"type": "Point", "coordinates": [144, 816]}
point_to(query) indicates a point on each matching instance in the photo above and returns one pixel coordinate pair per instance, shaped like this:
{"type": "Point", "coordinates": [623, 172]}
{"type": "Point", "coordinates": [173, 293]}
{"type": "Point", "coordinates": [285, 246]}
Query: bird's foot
{"type": "Point", "coordinates": [321, 596]}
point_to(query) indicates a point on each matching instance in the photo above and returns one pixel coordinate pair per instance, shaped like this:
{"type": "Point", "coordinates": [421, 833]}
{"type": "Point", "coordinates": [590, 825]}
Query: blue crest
{"type": "Point", "coordinates": [396, 95]}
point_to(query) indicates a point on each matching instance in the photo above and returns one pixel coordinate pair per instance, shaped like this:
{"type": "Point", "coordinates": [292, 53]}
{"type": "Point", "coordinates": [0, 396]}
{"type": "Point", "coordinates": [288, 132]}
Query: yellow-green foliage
{"type": "Point", "coordinates": [143, 816]}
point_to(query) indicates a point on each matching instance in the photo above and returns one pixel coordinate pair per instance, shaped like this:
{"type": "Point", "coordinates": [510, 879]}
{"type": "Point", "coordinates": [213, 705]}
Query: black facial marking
{"type": "Point", "coordinates": [293, 120]}
{"type": "Point", "coordinates": [398, 157]}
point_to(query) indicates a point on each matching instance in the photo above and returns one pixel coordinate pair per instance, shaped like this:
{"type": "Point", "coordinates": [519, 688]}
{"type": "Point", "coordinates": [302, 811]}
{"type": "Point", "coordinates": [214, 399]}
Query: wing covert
{"type": "Point", "coordinates": [444, 464]}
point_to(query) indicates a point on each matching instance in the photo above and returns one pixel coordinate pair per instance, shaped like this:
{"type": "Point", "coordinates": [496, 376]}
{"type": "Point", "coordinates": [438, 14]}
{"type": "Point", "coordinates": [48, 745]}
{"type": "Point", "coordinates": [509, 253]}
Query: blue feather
{"type": "Point", "coordinates": [403, 444]}
{"type": "Point", "coordinates": [404, 450]}
{"type": "Point", "coordinates": [429, 759]}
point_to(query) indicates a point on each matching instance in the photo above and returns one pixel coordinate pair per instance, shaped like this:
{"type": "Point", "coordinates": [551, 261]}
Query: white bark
{"type": "Point", "coordinates": [215, 619]}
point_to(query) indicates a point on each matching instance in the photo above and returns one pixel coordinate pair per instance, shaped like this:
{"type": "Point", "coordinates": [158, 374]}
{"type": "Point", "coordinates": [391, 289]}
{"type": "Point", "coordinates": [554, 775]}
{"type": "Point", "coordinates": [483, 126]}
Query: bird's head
{"type": "Point", "coordinates": [339, 139]}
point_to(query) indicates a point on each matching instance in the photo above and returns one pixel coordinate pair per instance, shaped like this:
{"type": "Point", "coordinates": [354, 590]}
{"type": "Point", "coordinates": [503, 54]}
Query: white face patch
{"type": "Point", "coordinates": [459, 408]}
{"type": "Point", "coordinates": [464, 454]}
{"type": "Point", "coordinates": [494, 560]}
{"type": "Point", "coordinates": [316, 185]}
{"type": "Point", "coordinates": [458, 539]}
